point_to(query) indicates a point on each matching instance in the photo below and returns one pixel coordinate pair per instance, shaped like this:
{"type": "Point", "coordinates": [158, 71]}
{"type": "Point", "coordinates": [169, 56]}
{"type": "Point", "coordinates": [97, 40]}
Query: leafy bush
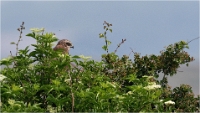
{"type": "Point", "coordinates": [39, 81]}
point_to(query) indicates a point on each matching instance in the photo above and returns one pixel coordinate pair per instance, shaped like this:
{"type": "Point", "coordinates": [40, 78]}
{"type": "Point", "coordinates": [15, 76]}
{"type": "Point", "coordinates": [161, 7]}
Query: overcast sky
{"type": "Point", "coordinates": [148, 27]}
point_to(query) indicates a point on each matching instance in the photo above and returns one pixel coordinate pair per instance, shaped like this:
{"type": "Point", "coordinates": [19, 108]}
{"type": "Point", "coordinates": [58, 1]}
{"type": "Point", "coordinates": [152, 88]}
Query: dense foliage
{"type": "Point", "coordinates": [39, 81]}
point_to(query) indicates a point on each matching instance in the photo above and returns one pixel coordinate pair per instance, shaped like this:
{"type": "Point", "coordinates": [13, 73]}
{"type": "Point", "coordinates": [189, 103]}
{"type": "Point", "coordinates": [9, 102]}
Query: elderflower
{"type": "Point", "coordinates": [84, 57]}
{"type": "Point", "coordinates": [67, 80]}
{"type": "Point", "coordinates": [145, 76]}
{"type": "Point", "coordinates": [5, 59]}
{"type": "Point", "coordinates": [37, 30]}
{"type": "Point", "coordinates": [11, 101]}
{"type": "Point", "coordinates": [169, 102]}
{"type": "Point", "coordinates": [152, 86]}
{"type": "Point", "coordinates": [2, 77]}
{"type": "Point", "coordinates": [61, 55]}
{"type": "Point", "coordinates": [129, 93]}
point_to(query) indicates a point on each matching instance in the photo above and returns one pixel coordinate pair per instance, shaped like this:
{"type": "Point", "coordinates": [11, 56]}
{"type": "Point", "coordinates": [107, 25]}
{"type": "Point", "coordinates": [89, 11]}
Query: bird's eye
{"type": "Point", "coordinates": [69, 44]}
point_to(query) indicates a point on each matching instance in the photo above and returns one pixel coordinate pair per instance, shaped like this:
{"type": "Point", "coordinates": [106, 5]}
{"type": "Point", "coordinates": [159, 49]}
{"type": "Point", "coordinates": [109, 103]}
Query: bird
{"type": "Point", "coordinates": [64, 45]}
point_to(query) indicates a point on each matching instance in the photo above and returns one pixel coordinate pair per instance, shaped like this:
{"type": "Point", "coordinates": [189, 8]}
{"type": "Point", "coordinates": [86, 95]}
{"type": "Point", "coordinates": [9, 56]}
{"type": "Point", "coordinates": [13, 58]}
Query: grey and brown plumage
{"type": "Point", "coordinates": [64, 45]}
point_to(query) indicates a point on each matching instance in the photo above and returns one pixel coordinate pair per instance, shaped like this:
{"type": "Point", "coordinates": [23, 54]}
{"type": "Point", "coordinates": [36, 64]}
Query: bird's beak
{"type": "Point", "coordinates": [72, 47]}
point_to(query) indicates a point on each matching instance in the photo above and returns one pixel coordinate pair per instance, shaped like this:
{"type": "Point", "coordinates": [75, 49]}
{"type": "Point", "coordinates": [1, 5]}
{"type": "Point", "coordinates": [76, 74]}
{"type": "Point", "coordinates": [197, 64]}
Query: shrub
{"type": "Point", "coordinates": [38, 80]}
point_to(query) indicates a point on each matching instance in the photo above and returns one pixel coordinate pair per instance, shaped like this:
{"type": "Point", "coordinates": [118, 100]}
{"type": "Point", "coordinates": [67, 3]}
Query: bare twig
{"type": "Point", "coordinates": [107, 24]}
{"type": "Point", "coordinates": [131, 52]}
{"type": "Point", "coordinates": [106, 42]}
{"type": "Point", "coordinates": [192, 40]}
{"type": "Point", "coordinates": [20, 36]}
{"type": "Point", "coordinates": [123, 40]}
{"type": "Point", "coordinates": [179, 71]}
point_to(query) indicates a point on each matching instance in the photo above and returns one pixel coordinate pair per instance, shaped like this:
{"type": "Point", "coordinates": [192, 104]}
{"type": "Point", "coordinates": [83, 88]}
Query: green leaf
{"type": "Point", "coordinates": [108, 42]}
{"type": "Point", "coordinates": [75, 56]}
{"type": "Point", "coordinates": [101, 35]}
{"type": "Point", "coordinates": [104, 47]}
{"type": "Point", "coordinates": [6, 61]}
{"type": "Point", "coordinates": [35, 45]}
{"type": "Point", "coordinates": [12, 42]}
{"type": "Point", "coordinates": [187, 46]}
{"type": "Point", "coordinates": [110, 30]}
{"type": "Point", "coordinates": [31, 35]}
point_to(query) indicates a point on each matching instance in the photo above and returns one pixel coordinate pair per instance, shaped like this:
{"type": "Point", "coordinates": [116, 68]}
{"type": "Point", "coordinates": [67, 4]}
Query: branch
{"type": "Point", "coordinates": [20, 36]}
{"type": "Point", "coordinates": [131, 51]}
{"type": "Point", "coordinates": [123, 40]}
{"type": "Point", "coordinates": [192, 40]}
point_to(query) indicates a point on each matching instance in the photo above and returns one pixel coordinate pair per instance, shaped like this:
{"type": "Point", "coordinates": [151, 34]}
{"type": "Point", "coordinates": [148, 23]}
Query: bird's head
{"type": "Point", "coordinates": [67, 44]}
{"type": "Point", "coordinates": [64, 44]}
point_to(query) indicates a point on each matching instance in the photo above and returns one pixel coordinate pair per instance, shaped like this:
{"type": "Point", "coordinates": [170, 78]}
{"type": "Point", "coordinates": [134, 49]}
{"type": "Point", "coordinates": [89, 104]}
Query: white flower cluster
{"type": "Point", "coordinates": [2, 77]}
{"type": "Point", "coordinates": [119, 97]}
{"type": "Point", "coordinates": [37, 30]}
{"type": "Point", "coordinates": [152, 86]}
{"type": "Point", "coordinates": [169, 102]}
{"type": "Point", "coordinates": [129, 93]}
{"type": "Point", "coordinates": [61, 55]}
{"type": "Point", "coordinates": [145, 76]}
{"type": "Point", "coordinates": [5, 59]}
{"type": "Point", "coordinates": [84, 57]}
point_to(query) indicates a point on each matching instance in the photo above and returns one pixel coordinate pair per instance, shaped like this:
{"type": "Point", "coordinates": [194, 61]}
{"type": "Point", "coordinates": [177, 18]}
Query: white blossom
{"type": "Point", "coordinates": [119, 97]}
{"type": "Point", "coordinates": [152, 86]}
{"type": "Point", "coordinates": [61, 55]}
{"type": "Point", "coordinates": [169, 102]}
{"type": "Point", "coordinates": [67, 80]}
{"type": "Point", "coordinates": [37, 30]}
{"type": "Point", "coordinates": [149, 77]}
{"type": "Point", "coordinates": [129, 92]}
{"type": "Point", "coordinates": [6, 59]}
{"type": "Point", "coordinates": [2, 77]}
{"type": "Point", "coordinates": [84, 57]}
{"type": "Point", "coordinates": [11, 101]}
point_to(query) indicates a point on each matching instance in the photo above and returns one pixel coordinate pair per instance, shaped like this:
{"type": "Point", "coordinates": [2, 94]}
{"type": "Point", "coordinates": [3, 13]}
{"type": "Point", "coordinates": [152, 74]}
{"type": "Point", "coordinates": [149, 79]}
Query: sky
{"type": "Point", "coordinates": [148, 27]}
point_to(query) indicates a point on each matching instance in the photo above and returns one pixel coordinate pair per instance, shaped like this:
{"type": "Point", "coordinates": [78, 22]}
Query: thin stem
{"type": "Point", "coordinates": [192, 40]}
{"type": "Point", "coordinates": [123, 40]}
{"type": "Point", "coordinates": [72, 93]}
{"type": "Point", "coordinates": [20, 36]}
{"type": "Point", "coordinates": [13, 58]}
{"type": "Point", "coordinates": [106, 42]}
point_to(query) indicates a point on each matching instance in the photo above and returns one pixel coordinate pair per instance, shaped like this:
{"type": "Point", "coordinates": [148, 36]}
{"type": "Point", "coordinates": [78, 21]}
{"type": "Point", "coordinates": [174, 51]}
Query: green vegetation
{"type": "Point", "coordinates": [38, 80]}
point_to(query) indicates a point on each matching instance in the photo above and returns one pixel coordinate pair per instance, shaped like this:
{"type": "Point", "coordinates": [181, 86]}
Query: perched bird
{"type": "Point", "coordinates": [64, 45]}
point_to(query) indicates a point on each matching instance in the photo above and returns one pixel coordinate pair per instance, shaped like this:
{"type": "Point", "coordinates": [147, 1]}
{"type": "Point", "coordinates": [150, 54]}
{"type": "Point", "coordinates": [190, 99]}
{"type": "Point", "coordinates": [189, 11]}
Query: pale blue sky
{"type": "Point", "coordinates": [148, 26]}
